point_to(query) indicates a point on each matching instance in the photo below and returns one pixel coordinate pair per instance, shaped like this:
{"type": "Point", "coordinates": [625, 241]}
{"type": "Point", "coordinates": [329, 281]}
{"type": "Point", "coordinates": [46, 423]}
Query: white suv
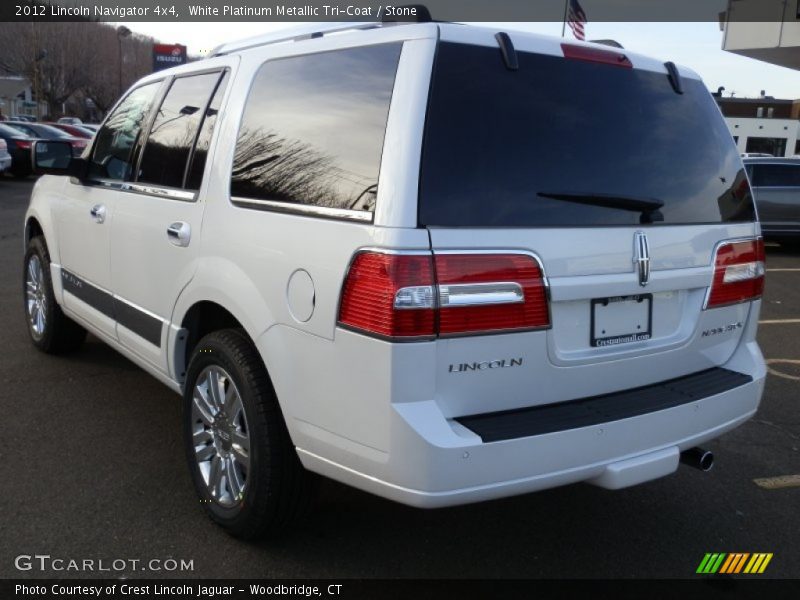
{"type": "Point", "coordinates": [436, 262]}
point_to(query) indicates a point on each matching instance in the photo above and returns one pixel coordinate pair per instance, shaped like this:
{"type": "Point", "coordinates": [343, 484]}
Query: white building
{"type": "Point", "coordinates": [767, 30]}
{"type": "Point", "coordinates": [778, 137]}
{"type": "Point", "coordinates": [15, 96]}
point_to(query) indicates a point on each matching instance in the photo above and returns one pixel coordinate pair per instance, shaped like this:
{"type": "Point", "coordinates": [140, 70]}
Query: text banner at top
{"type": "Point", "coordinates": [377, 11]}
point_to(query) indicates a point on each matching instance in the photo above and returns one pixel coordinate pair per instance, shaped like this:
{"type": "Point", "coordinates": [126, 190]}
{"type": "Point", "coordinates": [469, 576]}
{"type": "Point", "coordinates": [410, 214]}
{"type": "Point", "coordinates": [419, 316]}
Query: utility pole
{"type": "Point", "coordinates": [35, 71]}
{"type": "Point", "coordinates": [122, 32]}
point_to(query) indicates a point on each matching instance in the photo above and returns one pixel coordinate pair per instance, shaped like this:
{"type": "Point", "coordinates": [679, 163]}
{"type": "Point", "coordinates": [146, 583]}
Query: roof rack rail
{"type": "Point", "coordinates": [296, 34]}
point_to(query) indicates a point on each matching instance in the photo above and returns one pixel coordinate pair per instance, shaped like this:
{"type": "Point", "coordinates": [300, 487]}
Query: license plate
{"type": "Point", "coordinates": [621, 319]}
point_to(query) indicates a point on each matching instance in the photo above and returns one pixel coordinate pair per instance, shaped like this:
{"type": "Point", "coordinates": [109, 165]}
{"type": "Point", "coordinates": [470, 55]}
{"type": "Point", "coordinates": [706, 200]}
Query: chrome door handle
{"type": "Point", "coordinates": [179, 233]}
{"type": "Point", "coordinates": [98, 212]}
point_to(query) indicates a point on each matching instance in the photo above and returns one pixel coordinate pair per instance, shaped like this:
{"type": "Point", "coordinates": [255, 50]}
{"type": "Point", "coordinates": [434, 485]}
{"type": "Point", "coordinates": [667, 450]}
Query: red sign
{"type": "Point", "coordinates": [168, 55]}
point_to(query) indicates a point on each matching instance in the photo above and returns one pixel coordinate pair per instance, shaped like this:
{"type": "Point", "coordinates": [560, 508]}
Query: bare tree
{"type": "Point", "coordinates": [67, 58]}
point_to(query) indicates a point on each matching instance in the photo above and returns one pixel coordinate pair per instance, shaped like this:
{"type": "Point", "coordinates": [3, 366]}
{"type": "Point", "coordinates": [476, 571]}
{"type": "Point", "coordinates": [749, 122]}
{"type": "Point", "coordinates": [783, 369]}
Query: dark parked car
{"type": "Point", "coordinates": [48, 132]}
{"type": "Point", "coordinates": [19, 147]}
{"type": "Point", "coordinates": [776, 187]}
{"type": "Point", "coordinates": [73, 130]}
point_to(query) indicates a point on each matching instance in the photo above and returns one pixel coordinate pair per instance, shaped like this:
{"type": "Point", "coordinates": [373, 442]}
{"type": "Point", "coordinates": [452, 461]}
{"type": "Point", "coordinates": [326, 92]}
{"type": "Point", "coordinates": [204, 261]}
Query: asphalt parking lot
{"type": "Point", "coordinates": [92, 468]}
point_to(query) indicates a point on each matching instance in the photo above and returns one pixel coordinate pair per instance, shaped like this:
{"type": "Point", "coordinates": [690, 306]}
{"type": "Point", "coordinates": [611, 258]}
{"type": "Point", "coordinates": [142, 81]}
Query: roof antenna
{"type": "Point", "coordinates": [674, 77]}
{"type": "Point", "coordinates": [507, 50]}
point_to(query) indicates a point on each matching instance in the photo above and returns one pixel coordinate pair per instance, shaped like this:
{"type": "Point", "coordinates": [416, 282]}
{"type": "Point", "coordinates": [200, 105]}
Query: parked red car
{"type": "Point", "coordinates": [73, 130]}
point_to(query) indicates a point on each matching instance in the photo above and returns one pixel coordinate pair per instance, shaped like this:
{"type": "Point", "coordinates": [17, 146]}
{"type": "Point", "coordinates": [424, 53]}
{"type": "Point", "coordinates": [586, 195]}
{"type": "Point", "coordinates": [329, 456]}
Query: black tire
{"type": "Point", "coordinates": [59, 333]}
{"type": "Point", "coordinates": [277, 487]}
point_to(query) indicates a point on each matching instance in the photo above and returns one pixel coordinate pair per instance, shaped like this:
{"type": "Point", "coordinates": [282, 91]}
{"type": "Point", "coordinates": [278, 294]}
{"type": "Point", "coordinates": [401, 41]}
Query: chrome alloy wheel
{"type": "Point", "coordinates": [220, 436]}
{"type": "Point", "coordinates": [35, 297]}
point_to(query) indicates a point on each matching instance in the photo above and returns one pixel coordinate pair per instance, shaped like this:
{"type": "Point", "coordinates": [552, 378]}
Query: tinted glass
{"type": "Point", "coordinates": [8, 131]}
{"type": "Point", "coordinates": [113, 149]}
{"type": "Point", "coordinates": [496, 139]}
{"type": "Point", "coordinates": [48, 131]}
{"type": "Point", "coordinates": [313, 128]}
{"type": "Point", "coordinates": [174, 130]}
{"type": "Point", "coordinates": [766, 146]}
{"type": "Point", "coordinates": [195, 176]}
{"type": "Point", "coordinates": [776, 175]}
{"type": "Point", "coordinates": [22, 129]}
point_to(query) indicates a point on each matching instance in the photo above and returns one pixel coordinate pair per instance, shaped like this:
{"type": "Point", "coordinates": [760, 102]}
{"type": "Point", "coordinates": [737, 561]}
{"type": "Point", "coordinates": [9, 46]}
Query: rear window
{"type": "Point", "coordinates": [9, 131]}
{"type": "Point", "coordinates": [543, 145]}
{"type": "Point", "coordinates": [766, 175]}
{"type": "Point", "coordinates": [53, 131]}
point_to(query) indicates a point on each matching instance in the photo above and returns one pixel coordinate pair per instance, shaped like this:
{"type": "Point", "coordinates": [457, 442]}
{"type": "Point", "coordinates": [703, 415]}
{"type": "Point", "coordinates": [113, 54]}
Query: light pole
{"type": "Point", "coordinates": [122, 32]}
{"type": "Point", "coordinates": [39, 58]}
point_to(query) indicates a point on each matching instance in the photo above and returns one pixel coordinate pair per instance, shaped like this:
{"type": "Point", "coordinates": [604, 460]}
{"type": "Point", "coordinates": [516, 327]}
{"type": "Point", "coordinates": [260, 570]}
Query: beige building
{"type": "Point", "coordinates": [767, 30]}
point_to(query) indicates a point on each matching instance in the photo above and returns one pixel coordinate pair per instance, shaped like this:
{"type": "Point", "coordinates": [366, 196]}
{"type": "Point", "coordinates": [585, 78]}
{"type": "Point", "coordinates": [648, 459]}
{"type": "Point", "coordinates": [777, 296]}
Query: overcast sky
{"type": "Point", "coordinates": [696, 45]}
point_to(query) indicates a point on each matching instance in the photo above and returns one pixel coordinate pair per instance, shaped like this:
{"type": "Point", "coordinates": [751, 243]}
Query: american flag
{"type": "Point", "coordinates": [576, 19]}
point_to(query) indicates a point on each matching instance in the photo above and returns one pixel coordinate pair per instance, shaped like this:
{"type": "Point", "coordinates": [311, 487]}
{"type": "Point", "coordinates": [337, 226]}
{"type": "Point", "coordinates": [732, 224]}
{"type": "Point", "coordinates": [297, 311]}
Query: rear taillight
{"type": "Point", "coordinates": [490, 292]}
{"type": "Point", "coordinates": [416, 295]}
{"type": "Point", "coordinates": [738, 273]}
{"type": "Point", "coordinates": [24, 144]}
{"type": "Point", "coordinates": [389, 295]}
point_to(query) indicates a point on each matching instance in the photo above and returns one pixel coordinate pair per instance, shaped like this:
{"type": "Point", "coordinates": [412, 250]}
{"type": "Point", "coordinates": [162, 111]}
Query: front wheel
{"type": "Point", "coordinates": [242, 461]}
{"type": "Point", "coordinates": [50, 329]}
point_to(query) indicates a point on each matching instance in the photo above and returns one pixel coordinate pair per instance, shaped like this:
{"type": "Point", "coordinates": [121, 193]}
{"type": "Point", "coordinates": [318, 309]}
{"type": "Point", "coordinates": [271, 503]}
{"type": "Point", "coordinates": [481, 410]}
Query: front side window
{"type": "Point", "coordinates": [113, 150]}
{"type": "Point", "coordinates": [174, 130]}
{"type": "Point", "coordinates": [313, 129]}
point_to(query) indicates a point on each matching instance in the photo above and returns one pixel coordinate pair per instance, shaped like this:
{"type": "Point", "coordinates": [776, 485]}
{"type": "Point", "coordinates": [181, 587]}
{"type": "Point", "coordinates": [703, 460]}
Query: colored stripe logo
{"type": "Point", "coordinates": [734, 563]}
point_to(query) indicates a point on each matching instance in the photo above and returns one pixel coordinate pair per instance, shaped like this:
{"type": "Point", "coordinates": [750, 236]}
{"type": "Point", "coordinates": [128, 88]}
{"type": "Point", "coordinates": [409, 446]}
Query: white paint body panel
{"type": "Point", "coordinates": [379, 415]}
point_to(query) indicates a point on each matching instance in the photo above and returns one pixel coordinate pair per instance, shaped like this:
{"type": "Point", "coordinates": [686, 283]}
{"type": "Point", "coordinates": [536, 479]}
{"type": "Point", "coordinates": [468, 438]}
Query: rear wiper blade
{"type": "Point", "coordinates": [649, 207]}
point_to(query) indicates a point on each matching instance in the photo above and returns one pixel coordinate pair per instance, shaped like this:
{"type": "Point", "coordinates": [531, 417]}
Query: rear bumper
{"type": "Point", "coordinates": [433, 462]}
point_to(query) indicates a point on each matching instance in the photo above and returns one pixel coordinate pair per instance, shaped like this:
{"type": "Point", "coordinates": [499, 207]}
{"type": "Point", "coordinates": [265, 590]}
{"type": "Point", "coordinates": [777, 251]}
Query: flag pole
{"type": "Point", "coordinates": [564, 22]}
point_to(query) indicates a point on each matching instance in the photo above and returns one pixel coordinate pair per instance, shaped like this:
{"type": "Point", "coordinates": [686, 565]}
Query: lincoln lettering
{"type": "Point", "coordinates": [504, 363]}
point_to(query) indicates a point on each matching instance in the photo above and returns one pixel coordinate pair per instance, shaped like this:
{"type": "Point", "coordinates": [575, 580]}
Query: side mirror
{"type": "Point", "coordinates": [55, 158]}
{"type": "Point", "coordinates": [51, 157]}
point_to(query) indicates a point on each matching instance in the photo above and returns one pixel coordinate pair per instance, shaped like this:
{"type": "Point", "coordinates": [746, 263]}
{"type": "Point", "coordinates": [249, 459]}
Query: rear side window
{"type": "Point", "coordinates": [175, 128]}
{"type": "Point", "coordinates": [198, 164]}
{"type": "Point", "coordinates": [23, 129]}
{"type": "Point", "coordinates": [8, 131]}
{"type": "Point", "coordinates": [765, 175]}
{"type": "Point", "coordinates": [544, 145]}
{"type": "Point", "coordinates": [113, 148]}
{"type": "Point", "coordinates": [313, 128]}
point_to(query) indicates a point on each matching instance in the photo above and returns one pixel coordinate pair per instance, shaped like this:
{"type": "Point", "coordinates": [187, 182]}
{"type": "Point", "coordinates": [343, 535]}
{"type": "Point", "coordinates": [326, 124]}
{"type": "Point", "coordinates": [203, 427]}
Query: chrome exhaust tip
{"type": "Point", "coordinates": [699, 458]}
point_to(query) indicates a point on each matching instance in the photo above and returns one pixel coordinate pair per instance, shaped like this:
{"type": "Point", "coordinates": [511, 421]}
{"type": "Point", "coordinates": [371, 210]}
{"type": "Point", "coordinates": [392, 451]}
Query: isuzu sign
{"type": "Point", "coordinates": [168, 55]}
